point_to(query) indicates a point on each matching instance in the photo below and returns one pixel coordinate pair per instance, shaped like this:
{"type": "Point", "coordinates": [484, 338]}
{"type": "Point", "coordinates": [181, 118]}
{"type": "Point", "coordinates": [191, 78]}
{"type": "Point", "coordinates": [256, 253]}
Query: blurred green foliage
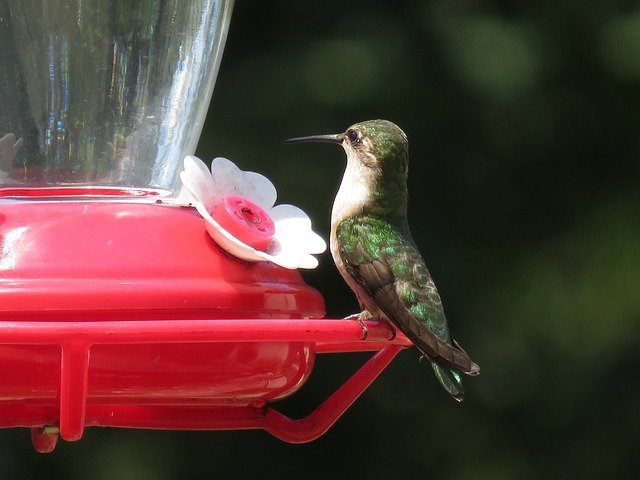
{"type": "Point", "coordinates": [523, 120]}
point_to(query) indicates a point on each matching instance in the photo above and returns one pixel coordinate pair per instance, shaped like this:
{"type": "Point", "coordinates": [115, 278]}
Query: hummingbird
{"type": "Point", "coordinates": [374, 252]}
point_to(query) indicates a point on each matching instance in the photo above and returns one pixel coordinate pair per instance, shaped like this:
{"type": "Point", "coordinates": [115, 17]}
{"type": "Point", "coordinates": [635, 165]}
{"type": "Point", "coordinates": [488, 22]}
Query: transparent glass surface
{"type": "Point", "coordinates": [105, 92]}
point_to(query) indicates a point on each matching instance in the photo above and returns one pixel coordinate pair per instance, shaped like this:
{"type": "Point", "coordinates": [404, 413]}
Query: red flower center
{"type": "Point", "coordinates": [246, 221]}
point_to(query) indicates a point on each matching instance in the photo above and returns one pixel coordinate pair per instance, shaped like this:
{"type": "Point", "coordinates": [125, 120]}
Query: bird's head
{"type": "Point", "coordinates": [372, 143]}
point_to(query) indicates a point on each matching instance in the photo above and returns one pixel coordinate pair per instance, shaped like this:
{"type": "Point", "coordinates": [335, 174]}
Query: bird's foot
{"type": "Point", "coordinates": [394, 332]}
{"type": "Point", "coordinates": [365, 330]}
{"type": "Point", "coordinates": [360, 318]}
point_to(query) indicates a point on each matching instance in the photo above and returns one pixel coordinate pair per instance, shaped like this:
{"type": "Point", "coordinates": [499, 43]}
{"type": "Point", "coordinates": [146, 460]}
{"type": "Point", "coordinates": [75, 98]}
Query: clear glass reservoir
{"type": "Point", "coordinates": [109, 93]}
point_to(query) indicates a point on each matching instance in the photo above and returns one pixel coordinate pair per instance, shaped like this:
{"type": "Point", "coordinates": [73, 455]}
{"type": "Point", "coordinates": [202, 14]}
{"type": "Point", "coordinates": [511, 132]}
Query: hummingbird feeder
{"type": "Point", "coordinates": [120, 305]}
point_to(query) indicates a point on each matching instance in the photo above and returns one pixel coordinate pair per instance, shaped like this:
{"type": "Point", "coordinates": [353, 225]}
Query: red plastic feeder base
{"type": "Point", "coordinates": [128, 315]}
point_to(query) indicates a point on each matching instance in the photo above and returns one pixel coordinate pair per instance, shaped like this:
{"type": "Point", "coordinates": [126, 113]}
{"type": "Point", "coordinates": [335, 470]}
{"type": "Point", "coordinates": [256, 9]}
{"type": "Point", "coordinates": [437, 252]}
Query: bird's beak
{"type": "Point", "coordinates": [335, 138]}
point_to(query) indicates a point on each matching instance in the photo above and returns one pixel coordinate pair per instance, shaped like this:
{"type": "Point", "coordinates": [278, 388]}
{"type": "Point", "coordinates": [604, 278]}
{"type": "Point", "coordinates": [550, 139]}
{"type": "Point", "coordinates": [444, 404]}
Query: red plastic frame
{"type": "Point", "coordinates": [76, 339]}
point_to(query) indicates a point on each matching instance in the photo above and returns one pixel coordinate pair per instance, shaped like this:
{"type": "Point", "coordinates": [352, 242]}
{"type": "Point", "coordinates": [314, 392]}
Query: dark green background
{"type": "Point", "coordinates": [523, 120]}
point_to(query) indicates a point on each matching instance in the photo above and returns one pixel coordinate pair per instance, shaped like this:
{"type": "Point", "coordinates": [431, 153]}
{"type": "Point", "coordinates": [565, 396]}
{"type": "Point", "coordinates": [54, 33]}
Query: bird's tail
{"type": "Point", "coordinates": [450, 380]}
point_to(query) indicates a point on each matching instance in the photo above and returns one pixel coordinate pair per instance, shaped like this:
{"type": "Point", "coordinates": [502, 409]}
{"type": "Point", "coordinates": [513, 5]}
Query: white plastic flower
{"type": "Point", "coordinates": [292, 242]}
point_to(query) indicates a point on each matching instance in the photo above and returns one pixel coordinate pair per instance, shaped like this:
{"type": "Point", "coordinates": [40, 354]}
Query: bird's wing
{"type": "Point", "coordinates": [387, 265]}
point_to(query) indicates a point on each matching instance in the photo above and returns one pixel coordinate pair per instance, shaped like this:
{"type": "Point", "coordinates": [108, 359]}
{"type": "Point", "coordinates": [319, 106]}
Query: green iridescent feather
{"type": "Point", "coordinates": [384, 260]}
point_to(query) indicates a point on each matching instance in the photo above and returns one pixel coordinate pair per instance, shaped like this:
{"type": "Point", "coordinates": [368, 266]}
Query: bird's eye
{"type": "Point", "coordinates": [353, 136]}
